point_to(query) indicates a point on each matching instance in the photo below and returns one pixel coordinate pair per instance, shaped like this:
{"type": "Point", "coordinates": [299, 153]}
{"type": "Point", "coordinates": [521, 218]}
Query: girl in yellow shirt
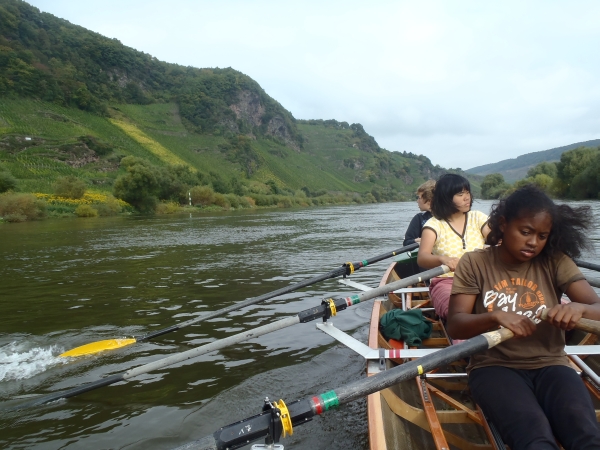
{"type": "Point", "coordinates": [452, 231]}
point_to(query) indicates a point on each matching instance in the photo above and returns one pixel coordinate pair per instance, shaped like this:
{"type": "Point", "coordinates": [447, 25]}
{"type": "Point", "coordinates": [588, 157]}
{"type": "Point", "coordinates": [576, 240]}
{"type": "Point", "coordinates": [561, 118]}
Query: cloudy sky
{"type": "Point", "coordinates": [463, 82]}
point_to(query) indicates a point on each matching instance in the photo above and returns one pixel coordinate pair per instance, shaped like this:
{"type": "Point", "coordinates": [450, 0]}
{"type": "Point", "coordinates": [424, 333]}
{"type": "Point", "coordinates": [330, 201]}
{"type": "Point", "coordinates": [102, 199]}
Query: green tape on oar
{"type": "Point", "coordinates": [97, 347]}
{"type": "Point", "coordinates": [330, 400]}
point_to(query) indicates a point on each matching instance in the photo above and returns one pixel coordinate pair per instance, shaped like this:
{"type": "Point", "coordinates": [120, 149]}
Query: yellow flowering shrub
{"type": "Point", "coordinates": [167, 208]}
{"type": "Point", "coordinates": [88, 198]}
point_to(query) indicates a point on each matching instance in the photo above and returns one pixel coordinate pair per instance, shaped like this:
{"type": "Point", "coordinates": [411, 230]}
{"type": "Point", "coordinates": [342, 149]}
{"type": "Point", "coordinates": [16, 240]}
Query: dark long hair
{"type": "Point", "coordinates": [446, 188]}
{"type": "Point", "coordinates": [569, 225]}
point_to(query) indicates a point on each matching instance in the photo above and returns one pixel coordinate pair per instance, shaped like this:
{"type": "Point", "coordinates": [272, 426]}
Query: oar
{"type": "Point", "coordinates": [326, 309]}
{"type": "Point", "coordinates": [301, 411]}
{"type": "Point", "coordinates": [346, 269]}
{"type": "Point", "coordinates": [593, 282]}
{"type": "Point", "coordinates": [587, 325]}
{"type": "Point", "coordinates": [587, 265]}
{"type": "Point", "coordinates": [279, 418]}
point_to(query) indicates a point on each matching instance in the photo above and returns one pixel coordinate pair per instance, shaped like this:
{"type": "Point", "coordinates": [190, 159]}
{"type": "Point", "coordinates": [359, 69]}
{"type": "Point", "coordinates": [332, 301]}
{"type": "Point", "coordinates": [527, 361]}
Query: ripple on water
{"type": "Point", "coordinates": [19, 363]}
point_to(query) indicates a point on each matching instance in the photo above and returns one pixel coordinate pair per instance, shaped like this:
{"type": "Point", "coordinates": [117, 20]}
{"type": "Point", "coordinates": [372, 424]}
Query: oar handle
{"type": "Point", "coordinates": [587, 265]}
{"type": "Point", "coordinates": [583, 324]}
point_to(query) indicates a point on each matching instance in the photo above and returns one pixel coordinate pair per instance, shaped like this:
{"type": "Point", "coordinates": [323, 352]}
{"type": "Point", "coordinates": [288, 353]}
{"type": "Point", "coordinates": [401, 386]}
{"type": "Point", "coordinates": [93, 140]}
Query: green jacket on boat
{"type": "Point", "coordinates": [408, 326]}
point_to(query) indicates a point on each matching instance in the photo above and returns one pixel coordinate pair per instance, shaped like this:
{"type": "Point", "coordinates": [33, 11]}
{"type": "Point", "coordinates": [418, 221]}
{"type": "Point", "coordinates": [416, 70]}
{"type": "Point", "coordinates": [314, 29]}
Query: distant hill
{"type": "Point", "coordinates": [516, 168]}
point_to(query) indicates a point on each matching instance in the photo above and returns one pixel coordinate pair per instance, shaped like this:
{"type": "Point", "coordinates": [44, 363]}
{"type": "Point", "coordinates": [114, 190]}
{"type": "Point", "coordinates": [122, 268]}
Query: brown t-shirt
{"type": "Point", "coordinates": [524, 288]}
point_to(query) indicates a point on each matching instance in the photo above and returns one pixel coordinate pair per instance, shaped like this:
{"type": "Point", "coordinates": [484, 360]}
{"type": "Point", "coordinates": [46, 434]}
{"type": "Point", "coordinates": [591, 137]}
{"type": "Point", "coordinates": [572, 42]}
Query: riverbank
{"type": "Point", "coordinates": [21, 207]}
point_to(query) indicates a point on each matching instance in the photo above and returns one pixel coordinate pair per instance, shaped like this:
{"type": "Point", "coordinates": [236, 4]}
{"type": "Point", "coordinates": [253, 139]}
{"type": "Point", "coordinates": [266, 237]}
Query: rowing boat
{"type": "Point", "coordinates": [434, 411]}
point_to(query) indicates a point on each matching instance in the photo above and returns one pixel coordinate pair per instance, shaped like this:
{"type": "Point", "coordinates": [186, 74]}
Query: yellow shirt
{"type": "Point", "coordinates": [450, 243]}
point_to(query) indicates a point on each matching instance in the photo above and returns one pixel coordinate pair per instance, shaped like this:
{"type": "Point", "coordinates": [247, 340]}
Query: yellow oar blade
{"type": "Point", "coordinates": [100, 346]}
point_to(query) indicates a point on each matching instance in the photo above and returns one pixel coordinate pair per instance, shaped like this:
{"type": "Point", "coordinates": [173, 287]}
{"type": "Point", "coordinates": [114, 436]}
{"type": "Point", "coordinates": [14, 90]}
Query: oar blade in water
{"type": "Point", "coordinates": [99, 346]}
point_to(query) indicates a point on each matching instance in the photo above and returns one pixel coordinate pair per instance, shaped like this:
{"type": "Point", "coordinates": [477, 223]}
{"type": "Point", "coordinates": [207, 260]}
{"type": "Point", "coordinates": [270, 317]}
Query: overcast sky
{"type": "Point", "coordinates": [463, 82]}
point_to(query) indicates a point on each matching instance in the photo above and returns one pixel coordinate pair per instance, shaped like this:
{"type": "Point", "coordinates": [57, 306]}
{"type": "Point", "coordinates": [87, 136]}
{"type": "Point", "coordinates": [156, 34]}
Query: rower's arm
{"type": "Point", "coordinates": [485, 231]}
{"type": "Point", "coordinates": [464, 324]}
{"type": "Point", "coordinates": [584, 303]}
{"type": "Point", "coordinates": [426, 259]}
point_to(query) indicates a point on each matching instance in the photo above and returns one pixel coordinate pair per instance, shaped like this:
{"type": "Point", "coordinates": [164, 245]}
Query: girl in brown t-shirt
{"type": "Point", "coordinates": [525, 385]}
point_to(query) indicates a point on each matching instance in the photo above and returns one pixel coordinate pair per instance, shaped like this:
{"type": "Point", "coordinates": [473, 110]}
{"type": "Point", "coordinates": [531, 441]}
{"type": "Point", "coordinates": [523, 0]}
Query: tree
{"type": "Point", "coordinates": [587, 183]}
{"type": "Point", "coordinates": [139, 186]}
{"type": "Point", "coordinates": [545, 167]}
{"type": "Point", "coordinates": [220, 185]}
{"type": "Point", "coordinates": [273, 186]}
{"type": "Point", "coordinates": [69, 187]}
{"type": "Point", "coordinates": [493, 186]}
{"type": "Point", "coordinates": [237, 187]}
{"type": "Point", "coordinates": [7, 182]}
{"type": "Point", "coordinates": [571, 164]}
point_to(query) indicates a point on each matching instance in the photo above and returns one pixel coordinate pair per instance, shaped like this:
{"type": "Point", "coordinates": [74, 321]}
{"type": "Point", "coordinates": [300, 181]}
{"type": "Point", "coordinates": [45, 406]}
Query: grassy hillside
{"type": "Point", "coordinates": [41, 141]}
{"type": "Point", "coordinates": [73, 102]}
{"type": "Point", "coordinates": [516, 168]}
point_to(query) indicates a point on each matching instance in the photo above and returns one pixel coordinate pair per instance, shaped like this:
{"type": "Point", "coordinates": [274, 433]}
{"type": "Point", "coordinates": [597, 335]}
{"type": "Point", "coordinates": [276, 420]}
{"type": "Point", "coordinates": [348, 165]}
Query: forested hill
{"type": "Point", "coordinates": [44, 57]}
{"type": "Point", "coordinates": [516, 168]}
{"type": "Point", "coordinates": [73, 102]}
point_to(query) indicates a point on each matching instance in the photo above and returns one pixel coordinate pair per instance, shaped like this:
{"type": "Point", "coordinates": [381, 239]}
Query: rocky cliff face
{"type": "Point", "coordinates": [251, 111]}
{"type": "Point", "coordinates": [248, 108]}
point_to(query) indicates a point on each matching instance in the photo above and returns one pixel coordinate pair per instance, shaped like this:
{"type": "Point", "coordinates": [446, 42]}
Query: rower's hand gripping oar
{"type": "Point", "coordinates": [327, 308]}
{"type": "Point", "coordinates": [583, 324]}
{"type": "Point", "coordinates": [346, 269]}
{"type": "Point", "coordinates": [301, 411]}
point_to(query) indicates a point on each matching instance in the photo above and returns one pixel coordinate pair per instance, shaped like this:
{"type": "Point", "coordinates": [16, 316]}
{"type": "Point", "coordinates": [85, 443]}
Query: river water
{"type": "Point", "coordinates": [65, 283]}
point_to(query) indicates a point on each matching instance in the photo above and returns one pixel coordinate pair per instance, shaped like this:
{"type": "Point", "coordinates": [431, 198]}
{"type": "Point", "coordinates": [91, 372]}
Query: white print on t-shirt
{"type": "Point", "coordinates": [532, 314]}
{"type": "Point", "coordinates": [517, 295]}
{"type": "Point", "coordinates": [503, 299]}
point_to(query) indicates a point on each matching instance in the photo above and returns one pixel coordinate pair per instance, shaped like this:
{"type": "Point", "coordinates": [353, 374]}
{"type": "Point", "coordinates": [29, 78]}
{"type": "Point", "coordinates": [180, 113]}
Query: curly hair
{"type": "Point", "coordinates": [426, 190]}
{"type": "Point", "coordinates": [569, 225]}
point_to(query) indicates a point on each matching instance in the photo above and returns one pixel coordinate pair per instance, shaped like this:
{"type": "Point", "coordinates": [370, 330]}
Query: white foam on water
{"type": "Point", "coordinates": [17, 363]}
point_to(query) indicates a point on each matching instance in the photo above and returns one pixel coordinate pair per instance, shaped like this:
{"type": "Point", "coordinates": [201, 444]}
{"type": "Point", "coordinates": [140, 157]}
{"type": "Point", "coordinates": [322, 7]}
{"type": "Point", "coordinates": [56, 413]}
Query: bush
{"type": "Point", "coordinates": [221, 200]}
{"type": "Point", "coordinates": [7, 182]}
{"type": "Point", "coordinates": [202, 195]}
{"type": "Point", "coordinates": [285, 202]}
{"type": "Point", "coordinates": [86, 211]}
{"type": "Point", "coordinates": [233, 200]}
{"type": "Point", "coordinates": [69, 187]}
{"type": "Point", "coordinates": [110, 207]}
{"type": "Point", "coordinates": [21, 207]}
{"type": "Point", "coordinates": [167, 208]}
{"type": "Point", "coordinates": [247, 202]}
{"type": "Point", "coordinates": [368, 198]}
